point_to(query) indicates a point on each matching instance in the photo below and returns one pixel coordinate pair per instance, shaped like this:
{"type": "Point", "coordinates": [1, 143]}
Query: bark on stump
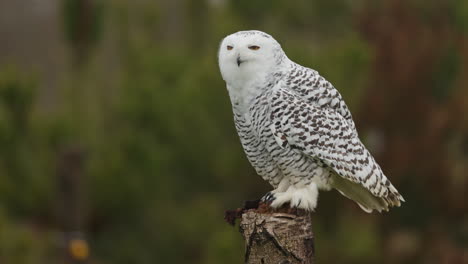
{"type": "Point", "coordinates": [282, 236]}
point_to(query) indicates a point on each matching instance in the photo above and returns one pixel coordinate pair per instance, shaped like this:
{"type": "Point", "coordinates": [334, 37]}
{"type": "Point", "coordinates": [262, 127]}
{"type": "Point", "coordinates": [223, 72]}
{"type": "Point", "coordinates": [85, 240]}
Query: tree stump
{"type": "Point", "coordinates": [282, 236]}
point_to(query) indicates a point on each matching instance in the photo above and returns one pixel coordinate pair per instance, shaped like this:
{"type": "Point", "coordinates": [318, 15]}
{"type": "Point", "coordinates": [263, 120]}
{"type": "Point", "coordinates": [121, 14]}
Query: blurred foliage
{"type": "Point", "coordinates": [82, 25]}
{"type": "Point", "coordinates": [20, 244]}
{"type": "Point", "coordinates": [148, 109]}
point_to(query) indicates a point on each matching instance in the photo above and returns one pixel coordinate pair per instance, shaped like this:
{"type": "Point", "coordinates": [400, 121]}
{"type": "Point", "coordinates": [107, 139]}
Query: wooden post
{"type": "Point", "coordinates": [282, 236]}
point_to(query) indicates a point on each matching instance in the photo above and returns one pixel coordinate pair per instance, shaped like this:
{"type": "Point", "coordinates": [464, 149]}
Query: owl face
{"type": "Point", "coordinates": [247, 54]}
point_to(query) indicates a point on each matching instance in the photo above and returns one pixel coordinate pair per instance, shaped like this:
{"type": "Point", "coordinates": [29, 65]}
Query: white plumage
{"type": "Point", "coordinates": [295, 128]}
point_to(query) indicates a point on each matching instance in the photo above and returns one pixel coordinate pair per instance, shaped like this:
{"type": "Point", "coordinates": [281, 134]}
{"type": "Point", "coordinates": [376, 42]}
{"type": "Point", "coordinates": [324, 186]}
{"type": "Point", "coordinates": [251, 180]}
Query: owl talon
{"type": "Point", "coordinates": [269, 197]}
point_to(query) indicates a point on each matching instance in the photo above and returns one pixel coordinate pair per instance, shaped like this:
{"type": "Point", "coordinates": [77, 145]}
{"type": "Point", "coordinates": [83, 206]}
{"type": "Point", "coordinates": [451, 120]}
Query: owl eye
{"type": "Point", "coordinates": [253, 47]}
{"type": "Point", "coordinates": [229, 47]}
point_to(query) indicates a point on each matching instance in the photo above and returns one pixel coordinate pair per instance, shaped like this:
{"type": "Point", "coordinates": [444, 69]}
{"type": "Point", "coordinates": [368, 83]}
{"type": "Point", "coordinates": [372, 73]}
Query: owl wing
{"type": "Point", "coordinates": [326, 136]}
{"type": "Point", "coordinates": [315, 89]}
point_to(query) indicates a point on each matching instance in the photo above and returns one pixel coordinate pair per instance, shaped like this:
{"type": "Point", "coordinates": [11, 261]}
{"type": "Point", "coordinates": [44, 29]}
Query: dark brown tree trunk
{"type": "Point", "coordinates": [70, 176]}
{"type": "Point", "coordinates": [275, 236]}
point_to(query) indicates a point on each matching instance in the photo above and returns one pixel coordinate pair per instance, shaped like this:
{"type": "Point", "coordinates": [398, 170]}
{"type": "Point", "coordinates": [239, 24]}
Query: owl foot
{"type": "Point", "coordinates": [268, 197]}
{"type": "Point", "coordinates": [304, 197]}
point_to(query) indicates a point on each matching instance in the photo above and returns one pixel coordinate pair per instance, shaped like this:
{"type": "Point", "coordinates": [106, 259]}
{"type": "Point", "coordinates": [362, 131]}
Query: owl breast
{"type": "Point", "coordinates": [270, 160]}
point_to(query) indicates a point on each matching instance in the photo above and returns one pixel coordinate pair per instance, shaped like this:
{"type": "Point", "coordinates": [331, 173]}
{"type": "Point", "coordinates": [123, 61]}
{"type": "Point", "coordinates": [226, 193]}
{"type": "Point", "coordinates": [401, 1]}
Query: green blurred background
{"type": "Point", "coordinates": [117, 143]}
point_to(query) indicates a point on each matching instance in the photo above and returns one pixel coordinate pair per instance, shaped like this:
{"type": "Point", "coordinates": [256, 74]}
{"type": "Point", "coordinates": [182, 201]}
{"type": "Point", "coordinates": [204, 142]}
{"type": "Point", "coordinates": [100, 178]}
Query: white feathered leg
{"type": "Point", "coordinates": [299, 195]}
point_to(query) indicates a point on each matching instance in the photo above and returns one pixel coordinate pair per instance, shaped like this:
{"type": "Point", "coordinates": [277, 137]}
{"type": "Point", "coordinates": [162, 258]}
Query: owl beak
{"type": "Point", "coordinates": [239, 61]}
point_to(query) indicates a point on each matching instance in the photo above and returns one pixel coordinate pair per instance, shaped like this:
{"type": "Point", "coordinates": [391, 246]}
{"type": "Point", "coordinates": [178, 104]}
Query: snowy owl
{"type": "Point", "coordinates": [295, 128]}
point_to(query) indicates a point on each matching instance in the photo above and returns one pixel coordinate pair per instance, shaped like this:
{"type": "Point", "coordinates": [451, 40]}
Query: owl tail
{"type": "Point", "coordinates": [356, 192]}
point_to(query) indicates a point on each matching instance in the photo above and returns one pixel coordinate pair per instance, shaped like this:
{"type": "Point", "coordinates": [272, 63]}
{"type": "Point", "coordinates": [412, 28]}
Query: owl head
{"type": "Point", "coordinates": [247, 55]}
